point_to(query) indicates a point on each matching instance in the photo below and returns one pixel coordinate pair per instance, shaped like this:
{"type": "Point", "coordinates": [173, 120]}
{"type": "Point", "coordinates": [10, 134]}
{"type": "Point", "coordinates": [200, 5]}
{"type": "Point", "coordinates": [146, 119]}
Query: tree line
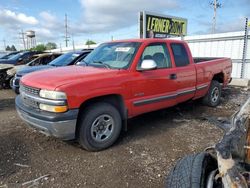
{"type": "Point", "coordinates": [43, 47]}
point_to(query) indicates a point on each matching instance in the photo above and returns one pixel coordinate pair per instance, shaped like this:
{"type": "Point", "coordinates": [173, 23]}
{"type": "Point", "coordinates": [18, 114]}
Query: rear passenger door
{"type": "Point", "coordinates": [185, 72]}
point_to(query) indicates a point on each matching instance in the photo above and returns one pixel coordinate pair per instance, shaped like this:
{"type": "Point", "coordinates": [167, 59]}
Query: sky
{"type": "Point", "coordinates": [100, 20]}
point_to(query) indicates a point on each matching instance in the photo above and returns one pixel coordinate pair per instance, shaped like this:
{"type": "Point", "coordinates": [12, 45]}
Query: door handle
{"type": "Point", "coordinates": [173, 76]}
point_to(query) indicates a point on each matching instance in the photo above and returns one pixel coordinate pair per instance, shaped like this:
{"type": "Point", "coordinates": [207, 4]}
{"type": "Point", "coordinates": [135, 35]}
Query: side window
{"type": "Point", "coordinates": [159, 53]}
{"type": "Point", "coordinates": [180, 55]}
{"type": "Point", "coordinates": [45, 60]}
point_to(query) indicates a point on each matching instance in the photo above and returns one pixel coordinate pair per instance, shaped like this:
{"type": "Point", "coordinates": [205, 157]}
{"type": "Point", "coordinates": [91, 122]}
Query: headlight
{"type": "Point", "coordinates": [51, 108]}
{"type": "Point", "coordinates": [52, 94]}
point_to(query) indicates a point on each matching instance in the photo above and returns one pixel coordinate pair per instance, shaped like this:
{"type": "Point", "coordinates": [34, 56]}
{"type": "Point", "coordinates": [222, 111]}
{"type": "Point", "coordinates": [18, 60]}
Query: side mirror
{"type": "Point", "coordinates": [20, 59]}
{"type": "Point", "coordinates": [147, 64]}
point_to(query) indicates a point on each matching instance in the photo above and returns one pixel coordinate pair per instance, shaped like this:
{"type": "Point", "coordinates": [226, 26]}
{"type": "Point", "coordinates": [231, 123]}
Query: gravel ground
{"type": "Point", "coordinates": [141, 158]}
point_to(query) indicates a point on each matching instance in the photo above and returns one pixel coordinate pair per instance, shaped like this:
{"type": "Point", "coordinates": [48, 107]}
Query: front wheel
{"type": "Point", "coordinates": [99, 126]}
{"type": "Point", "coordinates": [213, 95]}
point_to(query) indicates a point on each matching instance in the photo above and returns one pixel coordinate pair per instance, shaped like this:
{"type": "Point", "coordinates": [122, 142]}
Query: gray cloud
{"type": "Point", "coordinates": [108, 15]}
{"type": "Point", "coordinates": [12, 19]}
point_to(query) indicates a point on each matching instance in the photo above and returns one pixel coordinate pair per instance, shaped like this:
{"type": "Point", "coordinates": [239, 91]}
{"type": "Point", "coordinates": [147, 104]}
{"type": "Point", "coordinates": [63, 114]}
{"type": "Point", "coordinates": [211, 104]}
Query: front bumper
{"type": "Point", "coordinates": [59, 125]}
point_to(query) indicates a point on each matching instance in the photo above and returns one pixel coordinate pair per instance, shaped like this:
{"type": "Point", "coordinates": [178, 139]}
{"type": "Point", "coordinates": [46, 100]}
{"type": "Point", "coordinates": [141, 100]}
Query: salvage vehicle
{"type": "Point", "coordinates": [39, 59]}
{"type": "Point", "coordinates": [117, 81]}
{"type": "Point", "coordinates": [4, 75]}
{"type": "Point", "coordinates": [67, 59]}
{"type": "Point", "coordinates": [227, 164]}
{"type": "Point", "coordinates": [20, 58]}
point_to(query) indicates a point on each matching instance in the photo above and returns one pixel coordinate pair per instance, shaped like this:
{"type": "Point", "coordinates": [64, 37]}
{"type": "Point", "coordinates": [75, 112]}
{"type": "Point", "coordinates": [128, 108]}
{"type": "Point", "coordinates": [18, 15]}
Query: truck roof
{"type": "Point", "coordinates": [147, 40]}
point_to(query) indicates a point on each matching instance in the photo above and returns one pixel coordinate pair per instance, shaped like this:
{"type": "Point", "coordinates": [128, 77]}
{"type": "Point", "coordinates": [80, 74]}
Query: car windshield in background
{"type": "Point", "coordinates": [64, 59]}
{"type": "Point", "coordinates": [114, 55]}
{"type": "Point", "coordinates": [17, 56]}
{"type": "Point", "coordinates": [8, 56]}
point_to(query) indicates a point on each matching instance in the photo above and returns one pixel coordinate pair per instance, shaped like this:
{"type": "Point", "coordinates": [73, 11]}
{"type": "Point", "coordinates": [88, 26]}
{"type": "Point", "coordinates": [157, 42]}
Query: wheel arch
{"type": "Point", "coordinates": [219, 77]}
{"type": "Point", "coordinates": [114, 99]}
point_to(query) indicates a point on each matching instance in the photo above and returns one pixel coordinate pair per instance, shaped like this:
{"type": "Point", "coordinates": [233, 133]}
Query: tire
{"type": "Point", "coordinates": [191, 171]}
{"type": "Point", "coordinates": [213, 95]}
{"type": "Point", "coordinates": [99, 127]}
{"type": "Point", "coordinates": [11, 81]}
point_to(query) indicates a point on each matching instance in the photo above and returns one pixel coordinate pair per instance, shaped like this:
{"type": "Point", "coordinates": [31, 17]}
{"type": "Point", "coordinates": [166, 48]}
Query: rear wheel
{"type": "Point", "coordinates": [99, 126]}
{"type": "Point", "coordinates": [213, 95]}
{"type": "Point", "coordinates": [191, 171]}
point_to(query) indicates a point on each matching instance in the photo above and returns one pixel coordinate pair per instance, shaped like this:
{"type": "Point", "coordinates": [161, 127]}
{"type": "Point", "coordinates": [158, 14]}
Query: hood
{"type": "Point", "coordinates": [4, 61]}
{"type": "Point", "coordinates": [6, 66]}
{"type": "Point", "coordinates": [28, 69]}
{"type": "Point", "coordinates": [53, 78]}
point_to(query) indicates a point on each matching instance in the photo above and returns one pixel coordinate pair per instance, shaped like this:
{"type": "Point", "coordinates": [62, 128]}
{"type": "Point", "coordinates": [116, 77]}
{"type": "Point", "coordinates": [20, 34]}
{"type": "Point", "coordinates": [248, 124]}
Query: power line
{"type": "Point", "coordinates": [215, 5]}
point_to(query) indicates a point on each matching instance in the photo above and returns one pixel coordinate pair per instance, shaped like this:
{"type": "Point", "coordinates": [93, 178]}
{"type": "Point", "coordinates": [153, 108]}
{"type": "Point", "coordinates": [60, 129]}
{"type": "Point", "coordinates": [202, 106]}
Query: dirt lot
{"type": "Point", "coordinates": [141, 158]}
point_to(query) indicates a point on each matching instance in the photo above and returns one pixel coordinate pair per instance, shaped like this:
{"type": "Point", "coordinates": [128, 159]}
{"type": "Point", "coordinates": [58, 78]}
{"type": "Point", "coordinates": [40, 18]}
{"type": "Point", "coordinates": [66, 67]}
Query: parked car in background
{"type": "Point", "coordinates": [4, 68]}
{"type": "Point", "coordinates": [9, 55]}
{"type": "Point", "coordinates": [67, 59]}
{"type": "Point", "coordinates": [120, 80]}
{"type": "Point", "coordinates": [20, 58]}
{"type": "Point", "coordinates": [38, 59]}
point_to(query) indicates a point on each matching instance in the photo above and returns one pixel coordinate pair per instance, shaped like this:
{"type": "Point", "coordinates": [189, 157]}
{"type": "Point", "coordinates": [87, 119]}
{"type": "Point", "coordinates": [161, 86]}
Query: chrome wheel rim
{"type": "Point", "coordinates": [102, 128]}
{"type": "Point", "coordinates": [215, 94]}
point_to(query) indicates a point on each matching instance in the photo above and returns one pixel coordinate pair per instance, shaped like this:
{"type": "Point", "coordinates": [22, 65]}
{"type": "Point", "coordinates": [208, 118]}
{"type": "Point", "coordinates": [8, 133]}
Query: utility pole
{"type": "Point", "coordinates": [73, 43]}
{"type": "Point", "coordinates": [4, 44]}
{"type": "Point", "coordinates": [23, 39]}
{"type": "Point", "coordinates": [215, 5]}
{"type": "Point", "coordinates": [66, 30]}
{"type": "Point", "coordinates": [242, 75]}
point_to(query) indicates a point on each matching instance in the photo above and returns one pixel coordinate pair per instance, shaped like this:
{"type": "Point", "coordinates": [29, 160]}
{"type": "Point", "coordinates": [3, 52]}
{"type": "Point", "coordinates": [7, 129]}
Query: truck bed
{"type": "Point", "coordinates": [202, 59]}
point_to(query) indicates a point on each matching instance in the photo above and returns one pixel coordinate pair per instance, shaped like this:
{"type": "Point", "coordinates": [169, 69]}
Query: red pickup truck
{"type": "Point", "coordinates": [91, 102]}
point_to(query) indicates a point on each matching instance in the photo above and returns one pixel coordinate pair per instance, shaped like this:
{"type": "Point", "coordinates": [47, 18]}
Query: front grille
{"type": "Point", "coordinates": [29, 90]}
{"type": "Point", "coordinates": [30, 103]}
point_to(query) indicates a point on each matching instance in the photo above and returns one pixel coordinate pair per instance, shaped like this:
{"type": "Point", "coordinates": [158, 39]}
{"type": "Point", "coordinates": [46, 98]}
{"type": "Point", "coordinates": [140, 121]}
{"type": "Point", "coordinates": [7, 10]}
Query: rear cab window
{"type": "Point", "coordinates": [157, 52]}
{"type": "Point", "coordinates": [180, 55]}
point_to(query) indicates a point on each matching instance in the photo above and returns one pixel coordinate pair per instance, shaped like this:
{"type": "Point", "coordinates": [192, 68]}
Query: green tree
{"type": "Point", "coordinates": [89, 42]}
{"type": "Point", "coordinates": [39, 48]}
{"type": "Point", "coordinates": [51, 46]}
{"type": "Point", "coordinates": [13, 48]}
{"type": "Point", "coordinates": [7, 48]}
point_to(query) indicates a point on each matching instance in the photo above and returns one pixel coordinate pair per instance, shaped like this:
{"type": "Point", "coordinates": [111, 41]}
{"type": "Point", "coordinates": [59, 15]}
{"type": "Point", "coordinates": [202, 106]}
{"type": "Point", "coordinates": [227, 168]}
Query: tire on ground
{"type": "Point", "coordinates": [88, 119]}
{"type": "Point", "coordinates": [214, 89]}
{"type": "Point", "coordinates": [191, 171]}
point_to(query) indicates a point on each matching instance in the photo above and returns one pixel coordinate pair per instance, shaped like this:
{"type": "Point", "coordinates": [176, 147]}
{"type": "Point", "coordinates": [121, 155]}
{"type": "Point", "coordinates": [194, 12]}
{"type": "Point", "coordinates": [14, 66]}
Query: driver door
{"type": "Point", "coordinates": [154, 89]}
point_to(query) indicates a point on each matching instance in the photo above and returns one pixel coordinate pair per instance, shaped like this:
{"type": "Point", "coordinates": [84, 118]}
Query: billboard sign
{"type": "Point", "coordinates": [161, 26]}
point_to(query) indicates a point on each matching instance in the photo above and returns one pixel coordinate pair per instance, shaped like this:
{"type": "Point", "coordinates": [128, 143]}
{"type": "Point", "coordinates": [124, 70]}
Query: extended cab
{"type": "Point", "coordinates": [118, 80]}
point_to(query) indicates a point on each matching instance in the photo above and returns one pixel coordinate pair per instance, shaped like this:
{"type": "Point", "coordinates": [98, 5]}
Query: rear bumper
{"type": "Point", "coordinates": [59, 125]}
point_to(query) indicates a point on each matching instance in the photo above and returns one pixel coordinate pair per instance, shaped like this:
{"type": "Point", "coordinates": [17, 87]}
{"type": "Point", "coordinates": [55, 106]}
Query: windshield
{"type": "Point", "coordinates": [17, 56]}
{"type": "Point", "coordinates": [115, 55]}
{"type": "Point", "coordinates": [8, 56]}
{"type": "Point", "coordinates": [64, 59]}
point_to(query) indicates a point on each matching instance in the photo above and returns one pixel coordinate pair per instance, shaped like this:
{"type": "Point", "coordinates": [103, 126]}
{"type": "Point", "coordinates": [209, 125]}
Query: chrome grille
{"type": "Point", "coordinates": [30, 103]}
{"type": "Point", "coordinates": [29, 90]}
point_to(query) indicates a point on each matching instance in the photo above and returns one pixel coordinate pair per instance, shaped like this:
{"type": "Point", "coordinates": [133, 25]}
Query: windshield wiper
{"type": "Point", "coordinates": [102, 63]}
